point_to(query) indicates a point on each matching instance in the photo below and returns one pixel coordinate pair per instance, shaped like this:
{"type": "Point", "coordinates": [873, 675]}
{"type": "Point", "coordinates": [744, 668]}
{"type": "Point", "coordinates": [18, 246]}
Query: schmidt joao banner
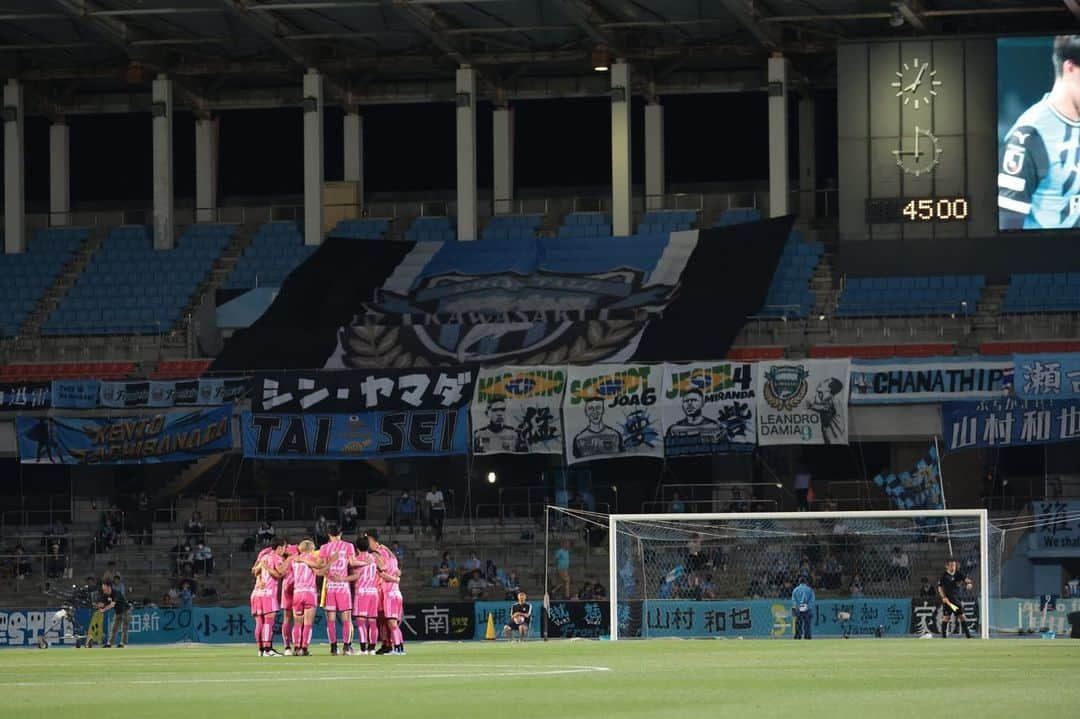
{"type": "Point", "coordinates": [149, 439]}
{"type": "Point", "coordinates": [931, 380]}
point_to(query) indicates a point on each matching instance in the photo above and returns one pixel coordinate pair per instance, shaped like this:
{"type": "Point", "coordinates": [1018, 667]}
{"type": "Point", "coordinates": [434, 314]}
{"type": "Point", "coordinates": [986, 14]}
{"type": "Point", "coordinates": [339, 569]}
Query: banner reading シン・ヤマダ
{"type": "Point", "coordinates": [612, 410]}
{"type": "Point", "coordinates": [803, 401]}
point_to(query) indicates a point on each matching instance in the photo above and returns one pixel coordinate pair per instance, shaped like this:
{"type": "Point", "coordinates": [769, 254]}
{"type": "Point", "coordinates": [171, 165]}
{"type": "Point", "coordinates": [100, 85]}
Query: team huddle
{"type": "Point", "coordinates": [361, 584]}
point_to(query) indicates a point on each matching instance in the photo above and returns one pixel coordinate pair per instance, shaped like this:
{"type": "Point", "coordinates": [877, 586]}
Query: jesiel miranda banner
{"type": "Point", "coordinates": [346, 391]}
{"type": "Point", "coordinates": [1009, 423]}
{"type": "Point", "coordinates": [610, 410]}
{"type": "Point", "coordinates": [1047, 376]}
{"type": "Point", "coordinates": [515, 410]}
{"type": "Point", "coordinates": [708, 408]}
{"type": "Point", "coordinates": [149, 439]}
{"type": "Point", "coordinates": [803, 401]}
{"type": "Point", "coordinates": [365, 435]}
{"type": "Point", "coordinates": [927, 380]}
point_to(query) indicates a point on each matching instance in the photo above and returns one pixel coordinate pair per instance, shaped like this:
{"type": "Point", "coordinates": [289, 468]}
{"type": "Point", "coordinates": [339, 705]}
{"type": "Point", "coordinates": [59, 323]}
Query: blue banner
{"type": "Point", "coordinates": [1047, 376]}
{"type": "Point", "coordinates": [897, 381]}
{"type": "Point", "coordinates": [500, 612]}
{"type": "Point", "coordinates": [25, 395]}
{"type": "Point", "coordinates": [1009, 423]}
{"type": "Point", "coordinates": [367, 435]}
{"type": "Point", "coordinates": [1057, 529]}
{"type": "Point", "coordinates": [149, 439]}
{"type": "Point", "coordinates": [75, 393]}
{"type": "Point", "coordinates": [169, 393]}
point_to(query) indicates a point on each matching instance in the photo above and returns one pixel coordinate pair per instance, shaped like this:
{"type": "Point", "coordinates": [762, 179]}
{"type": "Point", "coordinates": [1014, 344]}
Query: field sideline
{"type": "Point", "coordinates": [826, 678]}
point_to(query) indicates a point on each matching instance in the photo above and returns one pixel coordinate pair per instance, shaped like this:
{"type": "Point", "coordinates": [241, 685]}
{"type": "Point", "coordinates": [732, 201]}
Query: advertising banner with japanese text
{"type": "Point", "coordinates": [926, 616]}
{"type": "Point", "coordinates": [169, 393]}
{"type": "Point", "coordinates": [366, 435]}
{"type": "Point", "coordinates": [349, 391]}
{"type": "Point", "coordinates": [23, 628]}
{"type": "Point", "coordinates": [25, 395]}
{"type": "Point", "coordinates": [1047, 376]}
{"type": "Point", "coordinates": [803, 401]}
{"type": "Point", "coordinates": [612, 410]}
{"type": "Point", "coordinates": [149, 439]}
{"type": "Point", "coordinates": [75, 393]}
{"type": "Point", "coordinates": [500, 613]}
{"type": "Point", "coordinates": [898, 381]}
{"type": "Point", "coordinates": [708, 408]}
{"type": "Point", "coordinates": [1009, 423]}
{"type": "Point", "coordinates": [515, 410]}
{"type": "Point", "coordinates": [1057, 529]}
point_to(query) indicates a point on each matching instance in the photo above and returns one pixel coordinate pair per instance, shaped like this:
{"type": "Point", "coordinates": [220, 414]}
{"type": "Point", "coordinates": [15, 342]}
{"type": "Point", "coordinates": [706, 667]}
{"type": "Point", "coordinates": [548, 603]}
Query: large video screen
{"type": "Point", "coordinates": [1038, 132]}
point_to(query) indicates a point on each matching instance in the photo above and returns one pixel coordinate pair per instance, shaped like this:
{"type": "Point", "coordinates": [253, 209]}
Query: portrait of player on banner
{"type": "Point", "coordinates": [497, 436]}
{"type": "Point", "coordinates": [694, 423]}
{"type": "Point", "coordinates": [597, 438]}
{"type": "Point", "coordinates": [1039, 158]}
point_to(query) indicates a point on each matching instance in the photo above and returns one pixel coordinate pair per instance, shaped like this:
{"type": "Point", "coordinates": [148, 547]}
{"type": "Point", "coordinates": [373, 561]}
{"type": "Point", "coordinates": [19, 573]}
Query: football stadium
{"type": "Point", "coordinates": [533, 358]}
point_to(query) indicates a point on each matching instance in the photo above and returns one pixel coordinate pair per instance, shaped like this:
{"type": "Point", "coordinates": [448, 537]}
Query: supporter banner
{"type": "Point", "coordinates": [515, 410]}
{"type": "Point", "coordinates": [25, 395]}
{"type": "Point", "coordinates": [926, 617]}
{"type": "Point", "coordinates": [611, 410]}
{"type": "Point", "coordinates": [75, 393]}
{"type": "Point", "coordinates": [584, 620]}
{"type": "Point", "coordinates": [23, 627]}
{"type": "Point", "coordinates": [500, 613]}
{"type": "Point", "coordinates": [1047, 376]}
{"type": "Point", "coordinates": [708, 408]}
{"type": "Point", "coordinates": [917, 488]}
{"type": "Point", "coordinates": [1009, 423]}
{"type": "Point", "coordinates": [149, 439]}
{"type": "Point", "coordinates": [803, 402]}
{"type": "Point", "coordinates": [1057, 529]}
{"type": "Point", "coordinates": [1015, 615]}
{"type": "Point", "coordinates": [367, 435]}
{"type": "Point", "coordinates": [345, 391]}
{"type": "Point", "coordinates": [931, 380]}
{"type": "Point", "coordinates": [169, 393]}
{"type": "Point", "coordinates": [438, 621]}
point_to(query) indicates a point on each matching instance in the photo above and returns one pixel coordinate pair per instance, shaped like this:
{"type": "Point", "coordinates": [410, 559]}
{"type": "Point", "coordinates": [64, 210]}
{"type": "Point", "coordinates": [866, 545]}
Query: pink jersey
{"type": "Point", "coordinates": [338, 553]}
{"type": "Point", "coordinates": [287, 580]}
{"type": "Point", "coordinates": [303, 578]}
{"type": "Point", "coordinates": [368, 581]}
{"type": "Point", "coordinates": [390, 566]}
{"type": "Point", "coordinates": [266, 584]}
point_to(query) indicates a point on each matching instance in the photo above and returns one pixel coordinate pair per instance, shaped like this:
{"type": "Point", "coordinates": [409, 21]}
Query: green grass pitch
{"type": "Point", "coordinates": [868, 679]}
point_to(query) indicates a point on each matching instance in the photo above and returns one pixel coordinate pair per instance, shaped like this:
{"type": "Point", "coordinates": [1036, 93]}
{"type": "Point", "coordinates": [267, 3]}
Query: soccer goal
{"type": "Point", "coordinates": [874, 573]}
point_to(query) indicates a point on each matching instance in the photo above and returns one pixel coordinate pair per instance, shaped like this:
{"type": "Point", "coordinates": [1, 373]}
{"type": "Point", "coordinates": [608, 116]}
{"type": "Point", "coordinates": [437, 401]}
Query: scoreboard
{"type": "Point", "coordinates": [889, 210]}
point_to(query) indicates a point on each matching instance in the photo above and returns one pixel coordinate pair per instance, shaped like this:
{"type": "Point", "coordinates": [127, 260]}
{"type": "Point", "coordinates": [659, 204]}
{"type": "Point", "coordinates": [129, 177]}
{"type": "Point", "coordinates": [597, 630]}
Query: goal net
{"type": "Point", "coordinates": [732, 575]}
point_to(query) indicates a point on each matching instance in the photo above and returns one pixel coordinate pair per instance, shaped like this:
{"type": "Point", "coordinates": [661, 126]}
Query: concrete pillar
{"type": "Point", "coordinates": [206, 169]}
{"type": "Point", "coordinates": [807, 159]}
{"type": "Point", "coordinates": [59, 174]}
{"type": "Point", "coordinates": [778, 75]}
{"type": "Point", "coordinates": [654, 155]}
{"type": "Point", "coordinates": [14, 169]}
{"type": "Point", "coordinates": [503, 176]}
{"type": "Point", "coordinates": [314, 174]}
{"type": "Point", "coordinates": [354, 151]}
{"type": "Point", "coordinates": [162, 114]}
{"type": "Point", "coordinates": [466, 154]}
{"type": "Point", "coordinates": [621, 212]}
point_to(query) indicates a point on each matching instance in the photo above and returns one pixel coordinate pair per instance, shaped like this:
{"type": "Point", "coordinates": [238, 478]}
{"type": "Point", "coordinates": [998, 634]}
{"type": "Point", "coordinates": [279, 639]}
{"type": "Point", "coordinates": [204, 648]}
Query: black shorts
{"type": "Point", "coordinates": [510, 624]}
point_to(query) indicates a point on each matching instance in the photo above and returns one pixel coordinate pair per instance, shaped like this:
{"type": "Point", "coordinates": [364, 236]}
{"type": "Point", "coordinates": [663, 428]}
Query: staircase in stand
{"type": "Point", "coordinates": [67, 278]}
{"type": "Point", "coordinates": [219, 272]}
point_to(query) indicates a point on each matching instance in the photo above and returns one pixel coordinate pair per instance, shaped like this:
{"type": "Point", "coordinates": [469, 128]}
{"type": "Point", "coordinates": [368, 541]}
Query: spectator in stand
{"type": "Point", "coordinates": [23, 565]}
{"type": "Point", "coordinates": [737, 504]}
{"type": "Point", "coordinates": [562, 565]}
{"type": "Point", "coordinates": [349, 515]}
{"type": "Point", "coordinates": [802, 488]}
{"type": "Point", "coordinates": [194, 530]}
{"type": "Point", "coordinates": [187, 571]}
{"type": "Point", "coordinates": [927, 590]}
{"type": "Point", "coordinates": [512, 584]}
{"type": "Point", "coordinates": [677, 506]}
{"type": "Point", "coordinates": [186, 594]}
{"type": "Point", "coordinates": [448, 561]}
{"type": "Point", "coordinates": [755, 590]}
{"type": "Point", "coordinates": [398, 550]}
{"type": "Point", "coordinates": [476, 587]}
{"type": "Point", "coordinates": [831, 572]}
{"type": "Point", "coordinates": [586, 592]}
{"type": "Point", "coordinates": [55, 563]}
{"type": "Point", "coordinates": [107, 536]}
{"type": "Point", "coordinates": [899, 563]}
{"type": "Point", "coordinates": [322, 530]}
{"type": "Point", "coordinates": [184, 556]}
{"type": "Point", "coordinates": [436, 506]}
{"type": "Point", "coordinates": [265, 535]}
{"type": "Point", "coordinates": [1072, 587]}
{"type": "Point", "coordinates": [111, 570]}
{"type": "Point", "coordinates": [472, 564]}
{"type": "Point", "coordinates": [856, 588]}
{"type": "Point", "coordinates": [204, 558]}
{"type": "Point", "coordinates": [598, 591]}
{"type": "Point", "coordinates": [405, 511]}
{"type": "Point", "coordinates": [442, 575]}
{"type": "Point", "coordinates": [491, 573]}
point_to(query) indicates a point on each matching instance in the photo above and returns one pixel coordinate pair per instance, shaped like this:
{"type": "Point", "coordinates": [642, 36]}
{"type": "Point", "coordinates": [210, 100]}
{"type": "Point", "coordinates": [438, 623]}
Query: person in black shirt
{"type": "Point", "coordinates": [113, 598]}
{"type": "Point", "coordinates": [520, 616]}
{"type": "Point", "coordinates": [948, 590]}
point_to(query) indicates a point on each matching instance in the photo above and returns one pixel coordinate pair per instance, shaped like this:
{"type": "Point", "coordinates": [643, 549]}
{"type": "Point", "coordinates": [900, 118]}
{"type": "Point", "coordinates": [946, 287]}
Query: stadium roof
{"type": "Point", "coordinates": [99, 55]}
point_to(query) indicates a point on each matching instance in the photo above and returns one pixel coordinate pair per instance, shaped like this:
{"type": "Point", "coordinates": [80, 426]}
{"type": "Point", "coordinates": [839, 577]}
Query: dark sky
{"type": "Point", "coordinates": [410, 148]}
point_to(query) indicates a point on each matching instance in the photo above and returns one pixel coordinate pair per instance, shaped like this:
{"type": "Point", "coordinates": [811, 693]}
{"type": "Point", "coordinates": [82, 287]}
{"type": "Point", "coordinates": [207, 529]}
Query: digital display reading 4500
{"type": "Point", "coordinates": [916, 209]}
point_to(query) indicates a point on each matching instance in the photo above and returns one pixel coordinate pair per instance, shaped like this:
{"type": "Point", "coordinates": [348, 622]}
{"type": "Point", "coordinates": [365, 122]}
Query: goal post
{"type": "Point", "coordinates": [730, 575]}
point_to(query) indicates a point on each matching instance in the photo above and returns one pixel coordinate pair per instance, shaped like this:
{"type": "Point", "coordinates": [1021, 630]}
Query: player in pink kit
{"type": "Point", "coordinates": [267, 570]}
{"type": "Point", "coordinates": [336, 555]}
{"type": "Point", "coordinates": [365, 574]}
{"type": "Point", "coordinates": [286, 602]}
{"type": "Point", "coordinates": [391, 603]}
{"type": "Point", "coordinates": [304, 566]}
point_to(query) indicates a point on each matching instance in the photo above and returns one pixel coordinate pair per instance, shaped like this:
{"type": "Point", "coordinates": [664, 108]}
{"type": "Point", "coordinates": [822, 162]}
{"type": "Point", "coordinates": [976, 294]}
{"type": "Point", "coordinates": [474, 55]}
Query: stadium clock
{"type": "Point", "coordinates": [916, 210]}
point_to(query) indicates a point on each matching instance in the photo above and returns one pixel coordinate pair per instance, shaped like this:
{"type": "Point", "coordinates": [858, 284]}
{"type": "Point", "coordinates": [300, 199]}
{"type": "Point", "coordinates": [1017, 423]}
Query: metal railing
{"type": "Point", "coordinates": [675, 201]}
{"type": "Point", "coordinates": [520, 206]}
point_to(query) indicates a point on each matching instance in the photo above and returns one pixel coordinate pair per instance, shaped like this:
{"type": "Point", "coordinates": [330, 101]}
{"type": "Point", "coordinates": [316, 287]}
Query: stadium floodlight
{"type": "Point", "coordinates": [665, 567]}
{"type": "Point", "coordinates": [601, 59]}
{"type": "Point", "coordinates": [492, 478]}
{"type": "Point", "coordinates": [896, 19]}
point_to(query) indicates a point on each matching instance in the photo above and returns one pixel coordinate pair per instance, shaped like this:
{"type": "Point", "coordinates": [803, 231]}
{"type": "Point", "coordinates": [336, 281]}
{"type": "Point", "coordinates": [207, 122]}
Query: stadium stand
{"type": "Point", "coordinates": [180, 369]}
{"type": "Point", "coordinates": [361, 229]}
{"type": "Point", "coordinates": [586, 224]}
{"type": "Point", "coordinates": [276, 249]}
{"type": "Point", "coordinates": [431, 229]}
{"type": "Point", "coordinates": [789, 293]}
{"type": "Point", "coordinates": [511, 227]}
{"type": "Point", "coordinates": [737, 215]}
{"type": "Point", "coordinates": [910, 296]}
{"type": "Point", "coordinates": [1028, 347]}
{"type": "Point", "coordinates": [41, 371]}
{"type": "Point", "coordinates": [933, 349]}
{"type": "Point", "coordinates": [1046, 292]}
{"type": "Point", "coordinates": [131, 288]}
{"type": "Point", "coordinates": [751, 354]}
{"type": "Point", "coordinates": [27, 275]}
{"type": "Point", "coordinates": [663, 221]}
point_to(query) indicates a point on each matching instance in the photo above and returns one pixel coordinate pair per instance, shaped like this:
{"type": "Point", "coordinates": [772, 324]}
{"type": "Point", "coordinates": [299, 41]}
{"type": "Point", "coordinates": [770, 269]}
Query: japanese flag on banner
{"type": "Point", "coordinates": [803, 401]}
{"type": "Point", "coordinates": [515, 410]}
{"type": "Point", "coordinates": [611, 410]}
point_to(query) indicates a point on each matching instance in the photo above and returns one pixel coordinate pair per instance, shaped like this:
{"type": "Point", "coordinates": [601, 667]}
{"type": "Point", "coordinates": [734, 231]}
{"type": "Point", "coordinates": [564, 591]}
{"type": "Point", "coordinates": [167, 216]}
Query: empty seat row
{"type": "Point", "coordinates": [736, 216]}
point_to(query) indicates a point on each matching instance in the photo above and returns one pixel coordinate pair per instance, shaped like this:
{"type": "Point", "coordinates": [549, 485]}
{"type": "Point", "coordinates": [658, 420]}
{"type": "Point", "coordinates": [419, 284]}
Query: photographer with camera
{"type": "Point", "coordinates": [112, 598]}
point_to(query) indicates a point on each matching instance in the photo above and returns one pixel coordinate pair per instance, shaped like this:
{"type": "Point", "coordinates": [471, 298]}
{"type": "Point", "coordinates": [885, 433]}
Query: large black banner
{"type": "Point", "coordinates": [348, 391]}
{"type": "Point", "coordinates": [926, 616]}
{"type": "Point", "coordinates": [586, 620]}
{"type": "Point", "coordinates": [680, 296]}
{"type": "Point", "coordinates": [438, 621]}
{"type": "Point", "coordinates": [25, 395]}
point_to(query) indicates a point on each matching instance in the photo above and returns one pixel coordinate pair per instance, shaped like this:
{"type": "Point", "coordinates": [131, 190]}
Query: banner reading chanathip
{"type": "Point", "coordinates": [610, 410]}
{"type": "Point", "coordinates": [515, 410]}
{"type": "Point", "coordinates": [708, 408]}
{"type": "Point", "coordinates": [803, 401]}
